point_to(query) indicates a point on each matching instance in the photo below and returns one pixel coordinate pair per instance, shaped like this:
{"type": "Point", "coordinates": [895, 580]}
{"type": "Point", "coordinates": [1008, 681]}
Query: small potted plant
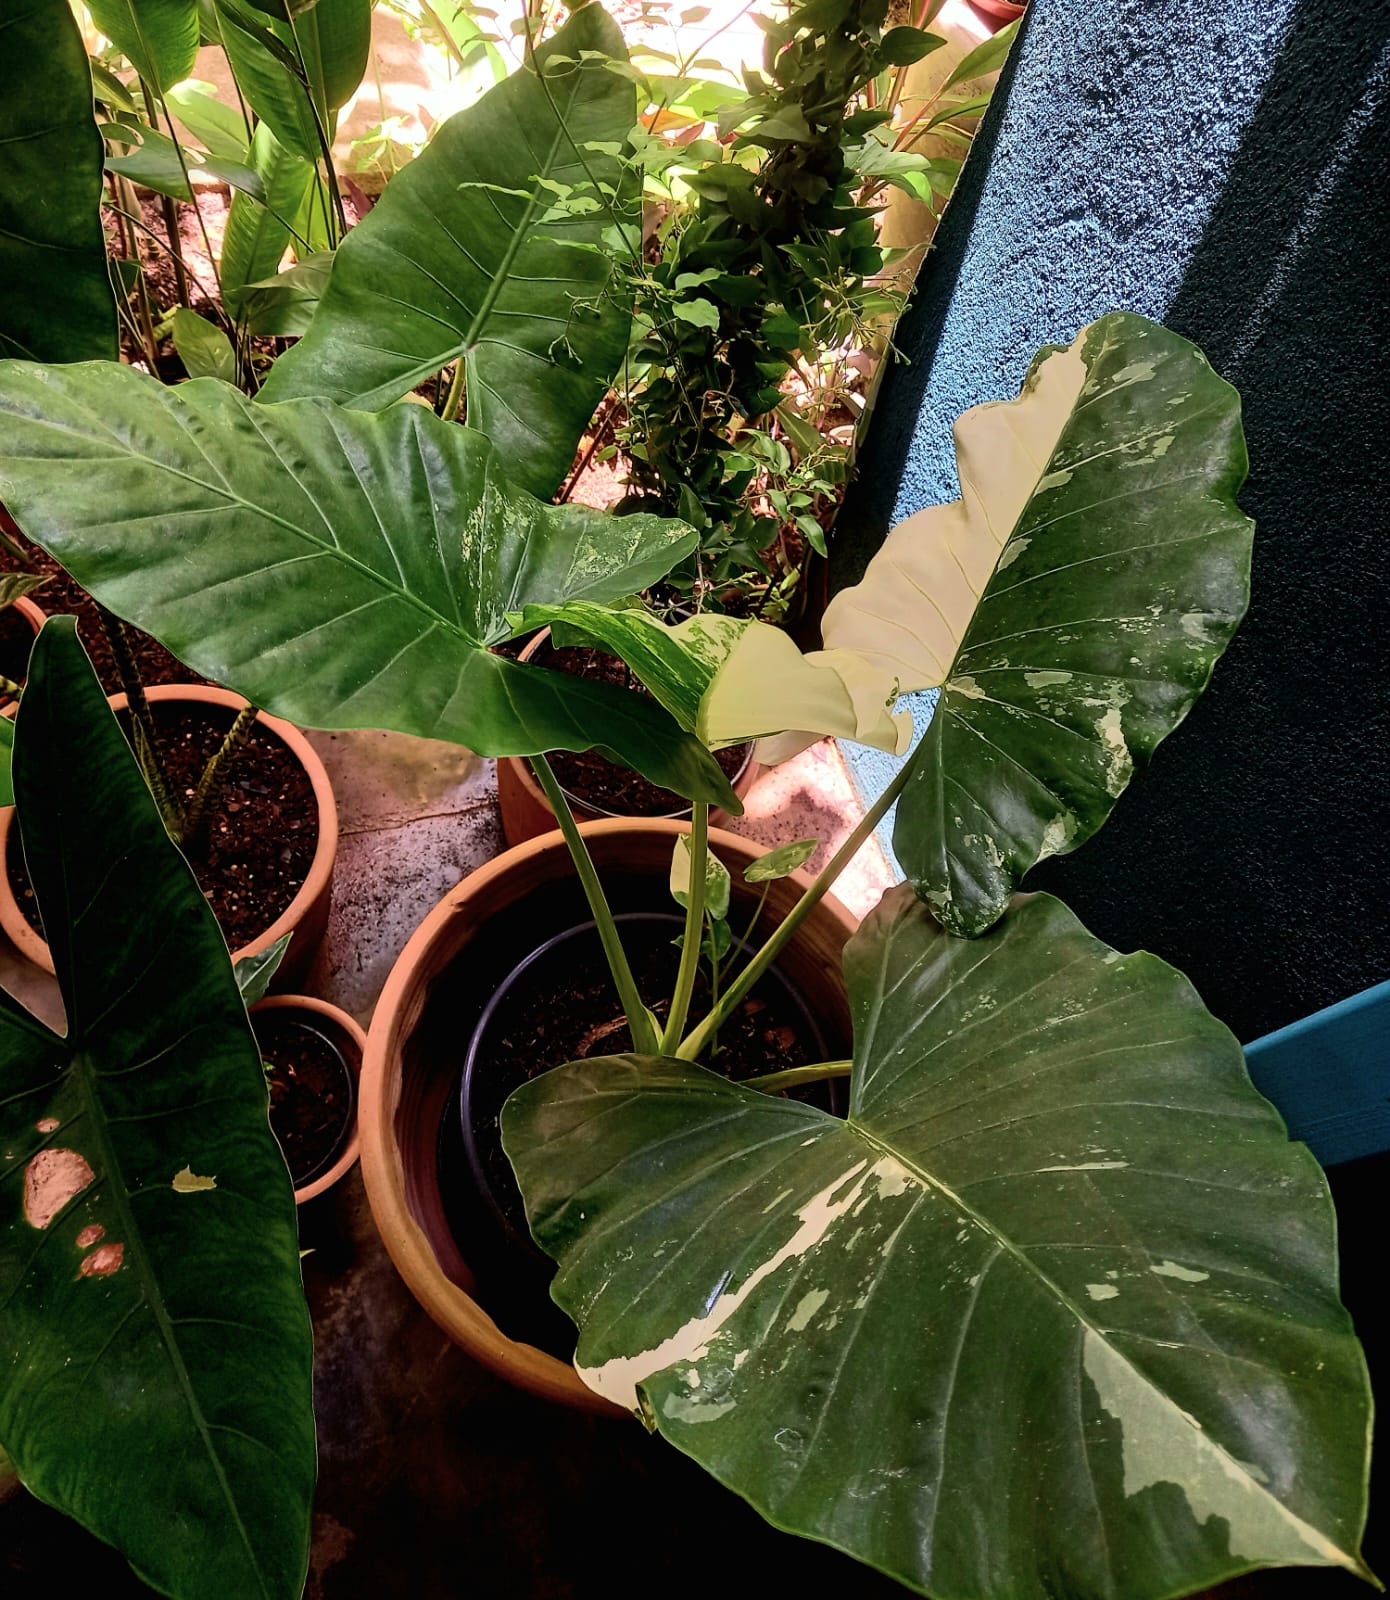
{"type": "Point", "coordinates": [312, 1054]}
{"type": "Point", "coordinates": [249, 800]}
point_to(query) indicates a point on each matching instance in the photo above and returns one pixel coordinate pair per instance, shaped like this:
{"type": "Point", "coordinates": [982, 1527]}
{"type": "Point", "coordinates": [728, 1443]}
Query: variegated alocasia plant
{"type": "Point", "coordinates": [1054, 1308]}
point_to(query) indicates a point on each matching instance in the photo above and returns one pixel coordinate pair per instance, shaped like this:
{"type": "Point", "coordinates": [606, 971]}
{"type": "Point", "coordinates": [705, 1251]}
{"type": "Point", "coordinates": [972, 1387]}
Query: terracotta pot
{"type": "Point", "coordinates": [33, 613]}
{"type": "Point", "coordinates": [348, 1035]}
{"type": "Point", "coordinates": [35, 617]}
{"type": "Point", "coordinates": [526, 812]}
{"type": "Point", "coordinates": [1004, 10]}
{"type": "Point", "coordinates": [306, 916]}
{"type": "Point", "coordinates": [408, 1086]}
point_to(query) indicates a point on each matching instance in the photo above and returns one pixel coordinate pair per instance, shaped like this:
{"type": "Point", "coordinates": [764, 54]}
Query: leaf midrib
{"type": "Point", "coordinates": [84, 1071]}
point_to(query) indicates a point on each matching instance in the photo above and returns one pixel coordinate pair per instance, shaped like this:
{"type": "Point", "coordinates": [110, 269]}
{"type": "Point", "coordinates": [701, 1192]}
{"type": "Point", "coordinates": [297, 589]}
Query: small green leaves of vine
{"type": "Point", "coordinates": [781, 862]}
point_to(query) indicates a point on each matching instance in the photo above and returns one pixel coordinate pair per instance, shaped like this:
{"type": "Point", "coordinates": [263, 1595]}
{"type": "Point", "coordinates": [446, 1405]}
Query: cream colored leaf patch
{"type": "Point", "coordinates": [186, 1181]}
{"type": "Point", "coordinates": [766, 689]}
{"type": "Point", "coordinates": [910, 612]}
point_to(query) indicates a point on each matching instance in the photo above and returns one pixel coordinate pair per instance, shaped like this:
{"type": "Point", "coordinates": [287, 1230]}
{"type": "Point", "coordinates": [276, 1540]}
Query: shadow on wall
{"type": "Point", "coordinates": [1254, 854]}
{"type": "Point", "coordinates": [1250, 854]}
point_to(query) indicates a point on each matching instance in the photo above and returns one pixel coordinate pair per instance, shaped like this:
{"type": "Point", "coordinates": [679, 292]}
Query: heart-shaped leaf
{"type": "Point", "coordinates": [463, 258]}
{"type": "Point", "coordinates": [1071, 605]}
{"type": "Point", "coordinates": [55, 294]}
{"type": "Point", "coordinates": [1053, 1312]}
{"type": "Point", "coordinates": [155, 1355]}
{"type": "Point", "coordinates": [341, 568]}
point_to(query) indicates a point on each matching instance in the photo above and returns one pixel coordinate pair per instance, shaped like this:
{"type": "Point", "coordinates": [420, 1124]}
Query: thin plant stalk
{"type": "Point", "coordinates": [214, 777]}
{"type": "Point", "coordinates": [694, 927]}
{"type": "Point", "coordinates": [146, 738]}
{"type": "Point", "coordinates": [215, 302]}
{"type": "Point", "coordinates": [639, 1020]}
{"type": "Point", "coordinates": [794, 1077]}
{"type": "Point", "coordinates": [454, 399]}
{"type": "Point", "coordinates": [695, 1041]}
{"type": "Point", "coordinates": [171, 219]}
{"type": "Point", "coordinates": [320, 128]}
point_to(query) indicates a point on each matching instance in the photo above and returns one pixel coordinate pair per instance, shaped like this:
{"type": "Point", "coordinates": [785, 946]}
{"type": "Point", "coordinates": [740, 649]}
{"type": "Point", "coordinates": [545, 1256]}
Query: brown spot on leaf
{"type": "Point", "coordinates": [90, 1235]}
{"type": "Point", "coordinates": [103, 1261]}
{"type": "Point", "coordinates": [51, 1179]}
{"type": "Point", "coordinates": [47, 1124]}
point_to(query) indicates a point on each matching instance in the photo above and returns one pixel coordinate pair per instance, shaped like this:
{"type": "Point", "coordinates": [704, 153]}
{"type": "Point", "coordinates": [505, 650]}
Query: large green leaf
{"type": "Point", "coordinates": [258, 233]}
{"type": "Point", "coordinates": [155, 1355]}
{"type": "Point", "coordinates": [1072, 605]}
{"type": "Point", "coordinates": [460, 259]}
{"type": "Point", "coordinates": [341, 568]}
{"type": "Point", "coordinates": [158, 37]}
{"type": "Point", "coordinates": [1054, 1312]}
{"type": "Point", "coordinates": [55, 295]}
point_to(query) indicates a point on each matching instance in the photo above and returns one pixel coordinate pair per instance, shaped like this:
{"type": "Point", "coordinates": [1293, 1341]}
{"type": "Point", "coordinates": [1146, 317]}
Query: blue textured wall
{"type": "Point", "coordinates": [1221, 165]}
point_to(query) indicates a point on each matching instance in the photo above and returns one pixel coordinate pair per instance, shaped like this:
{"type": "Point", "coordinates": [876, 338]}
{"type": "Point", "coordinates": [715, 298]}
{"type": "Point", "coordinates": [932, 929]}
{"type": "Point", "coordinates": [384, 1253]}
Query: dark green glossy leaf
{"type": "Point", "coordinates": [900, 47]}
{"type": "Point", "coordinates": [154, 1344]}
{"type": "Point", "coordinates": [1054, 1312]}
{"type": "Point", "coordinates": [461, 259]}
{"type": "Point", "coordinates": [341, 568]}
{"type": "Point", "coordinates": [55, 297]}
{"type": "Point", "coordinates": [158, 37]}
{"type": "Point", "coordinates": [1100, 532]}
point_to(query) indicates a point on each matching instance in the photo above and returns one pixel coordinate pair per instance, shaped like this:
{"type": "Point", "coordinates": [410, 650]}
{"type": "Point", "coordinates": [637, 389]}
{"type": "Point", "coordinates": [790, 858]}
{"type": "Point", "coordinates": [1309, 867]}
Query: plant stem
{"type": "Point", "coordinates": [454, 399]}
{"type": "Point", "coordinates": [210, 785]}
{"type": "Point", "coordinates": [146, 740]}
{"type": "Point", "coordinates": [794, 1077]}
{"type": "Point", "coordinates": [694, 927]}
{"type": "Point", "coordinates": [639, 1021]}
{"type": "Point", "coordinates": [695, 1041]}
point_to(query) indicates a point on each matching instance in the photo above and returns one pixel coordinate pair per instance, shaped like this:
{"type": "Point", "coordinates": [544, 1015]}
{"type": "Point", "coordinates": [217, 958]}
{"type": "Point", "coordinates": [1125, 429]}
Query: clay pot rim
{"type": "Point", "coordinates": [33, 613]}
{"type": "Point", "coordinates": [356, 1036]}
{"type": "Point", "coordinates": [747, 771]}
{"type": "Point", "coordinates": [320, 873]}
{"type": "Point", "coordinates": [460, 1316]}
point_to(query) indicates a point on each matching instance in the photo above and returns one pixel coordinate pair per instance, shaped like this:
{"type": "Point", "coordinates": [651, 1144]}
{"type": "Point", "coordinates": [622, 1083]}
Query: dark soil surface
{"type": "Point", "coordinates": [311, 1091]}
{"type": "Point", "coordinates": [16, 641]}
{"type": "Point", "coordinates": [261, 839]}
{"type": "Point", "coordinates": [62, 595]}
{"type": "Point", "coordinates": [592, 779]}
{"type": "Point", "coordinates": [561, 1008]}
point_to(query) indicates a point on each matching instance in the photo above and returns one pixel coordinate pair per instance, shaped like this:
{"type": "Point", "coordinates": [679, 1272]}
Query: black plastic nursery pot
{"type": "Point", "coordinates": [518, 918]}
{"type": "Point", "coordinates": [557, 1004]}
